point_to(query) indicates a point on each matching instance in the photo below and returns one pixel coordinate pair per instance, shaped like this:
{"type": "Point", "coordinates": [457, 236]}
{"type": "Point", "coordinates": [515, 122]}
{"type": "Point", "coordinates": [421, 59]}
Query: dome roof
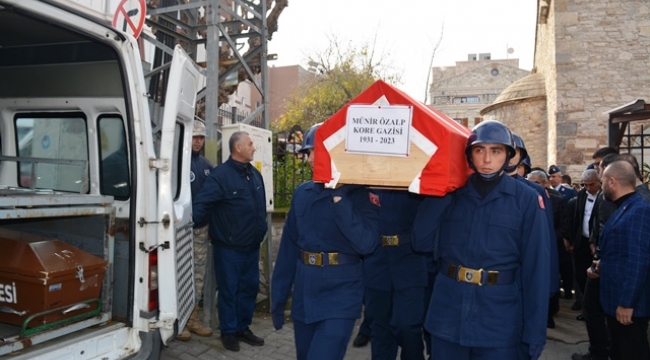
{"type": "Point", "coordinates": [528, 87]}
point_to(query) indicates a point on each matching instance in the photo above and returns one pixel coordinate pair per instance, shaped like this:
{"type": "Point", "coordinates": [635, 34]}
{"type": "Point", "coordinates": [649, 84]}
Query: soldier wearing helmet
{"type": "Point", "coordinates": [490, 241]}
{"type": "Point", "coordinates": [554, 265]}
{"type": "Point", "coordinates": [308, 144]}
{"type": "Point", "coordinates": [199, 170]}
{"type": "Point", "coordinates": [325, 234]}
{"type": "Point", "coordinates": [524, 167]}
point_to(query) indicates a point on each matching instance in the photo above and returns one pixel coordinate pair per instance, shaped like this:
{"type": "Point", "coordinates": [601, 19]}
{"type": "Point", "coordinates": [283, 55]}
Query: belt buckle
{"type": "Point", "coordinates": [392, 240]}
{"type": "Point", "coordinates": [314, 259]}
{"type": "Point", "coordinates": [492, 277]}
{"type": "Point", "coordinates": [333, 258]}
{"type": "Point", "coordinates": [470, 275]}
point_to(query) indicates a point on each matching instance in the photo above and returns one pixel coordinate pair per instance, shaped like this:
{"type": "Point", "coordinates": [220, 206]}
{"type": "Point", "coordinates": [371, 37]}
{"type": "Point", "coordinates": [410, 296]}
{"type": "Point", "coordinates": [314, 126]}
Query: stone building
{"type": "Point", "coordinates": [461, 91]}
{"type": "Point", "coordinates": [590, 56]}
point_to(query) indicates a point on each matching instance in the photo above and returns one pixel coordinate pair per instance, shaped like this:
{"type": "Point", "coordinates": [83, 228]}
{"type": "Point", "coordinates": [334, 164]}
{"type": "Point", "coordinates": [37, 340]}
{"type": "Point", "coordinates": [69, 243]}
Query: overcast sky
{"type": "Point", "coordinates": [408, 30]}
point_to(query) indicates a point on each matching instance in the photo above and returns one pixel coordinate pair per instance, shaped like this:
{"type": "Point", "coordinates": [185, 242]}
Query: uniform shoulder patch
{"type": "Point", "coordinates": [541, 202]}
{"type": "Point", "coordinates": [374, 198]}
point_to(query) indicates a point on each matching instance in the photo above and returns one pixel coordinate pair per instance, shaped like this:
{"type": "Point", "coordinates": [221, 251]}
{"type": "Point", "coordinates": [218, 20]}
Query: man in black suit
{"type": "Point", "coordinates": [581, 218]}
{"type": "Point", "coordinates": [591, 309]}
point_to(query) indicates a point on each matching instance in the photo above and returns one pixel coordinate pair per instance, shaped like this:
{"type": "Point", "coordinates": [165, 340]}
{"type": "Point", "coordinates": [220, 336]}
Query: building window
{"type": "Point", "coordinates": [494, 72]}
{"type": "Point", "coordinates": [462, 121]}
{"type": "Point", "coordinates": [467, 100]}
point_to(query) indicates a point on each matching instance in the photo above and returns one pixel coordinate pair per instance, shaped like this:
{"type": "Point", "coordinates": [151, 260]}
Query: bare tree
{"type": "Point", "coordinates": [427, 87]}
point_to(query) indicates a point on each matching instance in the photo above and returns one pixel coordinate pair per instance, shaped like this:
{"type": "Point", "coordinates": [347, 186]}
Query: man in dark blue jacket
{"type": "Point", "coordinates": [624, 266]}
{"type": "Point", "coordinates": [326, 233]}
{"type": "Point", "coordinates": [232, 200]}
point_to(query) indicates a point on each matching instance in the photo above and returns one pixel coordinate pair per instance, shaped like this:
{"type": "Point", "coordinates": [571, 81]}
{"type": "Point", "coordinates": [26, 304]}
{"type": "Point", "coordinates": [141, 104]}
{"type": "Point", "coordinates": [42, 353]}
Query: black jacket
{"type": "Point", "coordinates": [561, 223]}
{"type": "Point", "coordinates": [575, 211]}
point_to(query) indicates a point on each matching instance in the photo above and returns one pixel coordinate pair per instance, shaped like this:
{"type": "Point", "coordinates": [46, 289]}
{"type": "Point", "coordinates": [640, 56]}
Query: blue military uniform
{"type": "Point", "coordinates": [566, 192]}
{"type": "Point", "coordinates": [319, 255]}
{"type": "Point", "coordinates": [554, 269]}
{"type": "Point", "coordinates": [200, 169]}
{"type": "Point", "coordinates": [425, 238]}
{"type": "Point", "coordinates": [506, 231]}
{"type": "Point", "coordinates": [395, 280]}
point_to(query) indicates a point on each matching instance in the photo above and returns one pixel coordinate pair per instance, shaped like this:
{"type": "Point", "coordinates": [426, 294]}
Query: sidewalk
{"type": "Point", "coordinates": [568, 337]}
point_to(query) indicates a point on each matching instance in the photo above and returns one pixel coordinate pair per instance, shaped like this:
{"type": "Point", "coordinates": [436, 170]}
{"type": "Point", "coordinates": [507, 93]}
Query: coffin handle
{"type": "Point", "coordinates": [8, 310]}
{"type": "Point", "coordinates": [75, 308]}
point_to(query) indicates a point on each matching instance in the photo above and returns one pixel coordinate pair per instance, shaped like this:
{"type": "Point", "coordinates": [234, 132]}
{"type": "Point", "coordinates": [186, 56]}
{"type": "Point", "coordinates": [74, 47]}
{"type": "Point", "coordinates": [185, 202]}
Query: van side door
{"type": "Point", "coordinates": [175, 260]}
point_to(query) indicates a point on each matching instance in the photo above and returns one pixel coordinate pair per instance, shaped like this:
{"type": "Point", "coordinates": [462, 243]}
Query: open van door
{"type": "Point", "coordinates": [176, 260]}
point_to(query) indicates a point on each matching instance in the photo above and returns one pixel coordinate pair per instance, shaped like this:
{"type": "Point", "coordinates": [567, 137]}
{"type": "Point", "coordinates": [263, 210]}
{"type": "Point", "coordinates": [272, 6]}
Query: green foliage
{"type": "Point", "coordinates": [288, 172]}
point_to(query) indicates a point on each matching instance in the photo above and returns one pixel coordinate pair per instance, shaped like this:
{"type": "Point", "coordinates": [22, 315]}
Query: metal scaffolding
{"type": "Point", "coordinates": [234, 34]}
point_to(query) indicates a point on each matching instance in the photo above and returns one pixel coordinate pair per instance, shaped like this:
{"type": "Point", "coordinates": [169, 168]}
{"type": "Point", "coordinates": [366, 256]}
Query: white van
{"type": "Point", "coordinates": [82, 162]}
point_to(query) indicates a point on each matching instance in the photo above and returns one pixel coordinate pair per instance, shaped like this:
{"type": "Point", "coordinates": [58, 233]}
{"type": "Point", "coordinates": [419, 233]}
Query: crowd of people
{"type": "Point", "coordinates": [475, 274]}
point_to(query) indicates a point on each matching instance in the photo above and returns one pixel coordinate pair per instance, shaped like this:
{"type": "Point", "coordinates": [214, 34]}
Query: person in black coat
{"type": "Point", "coordinates": [581, 218]}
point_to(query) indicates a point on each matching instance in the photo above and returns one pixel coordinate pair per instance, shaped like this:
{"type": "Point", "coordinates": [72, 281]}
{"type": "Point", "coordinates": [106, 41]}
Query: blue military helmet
{"type": "Point", "coordinates": [519, 144]}
{"type": "Point", "coordinates": [526, 162]}
{"type": "Point", "coordinates": [490, 132]}
{"type": "Point", "coordinates": [308, 139]}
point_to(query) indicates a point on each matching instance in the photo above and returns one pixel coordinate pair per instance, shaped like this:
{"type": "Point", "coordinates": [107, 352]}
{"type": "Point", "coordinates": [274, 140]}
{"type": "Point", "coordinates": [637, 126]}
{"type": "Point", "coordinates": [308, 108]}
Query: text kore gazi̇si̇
{"type": "Point", "coordinates": [387, 126]}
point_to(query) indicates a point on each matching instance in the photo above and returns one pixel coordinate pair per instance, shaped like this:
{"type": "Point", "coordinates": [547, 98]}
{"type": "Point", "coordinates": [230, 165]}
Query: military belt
{"type": "Point", "coordinates": [478, 277]}
{"type": "Point", "coordinates": [327, 259]}
{"type": "Point", "coordinates": [389, 240]}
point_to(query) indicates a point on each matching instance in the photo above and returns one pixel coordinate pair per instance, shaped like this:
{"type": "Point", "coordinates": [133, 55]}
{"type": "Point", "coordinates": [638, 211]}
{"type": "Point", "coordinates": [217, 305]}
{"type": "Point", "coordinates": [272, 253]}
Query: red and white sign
{"type": "Point", "coordinates": [439, 137]}
{"type": "Point", "coordinates": [129, 16]}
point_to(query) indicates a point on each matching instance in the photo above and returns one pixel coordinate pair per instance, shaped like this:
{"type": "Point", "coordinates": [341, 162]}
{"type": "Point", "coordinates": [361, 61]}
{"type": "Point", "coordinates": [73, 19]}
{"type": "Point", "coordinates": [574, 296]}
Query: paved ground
{"type": "Point", "coordinates": [568, 337]}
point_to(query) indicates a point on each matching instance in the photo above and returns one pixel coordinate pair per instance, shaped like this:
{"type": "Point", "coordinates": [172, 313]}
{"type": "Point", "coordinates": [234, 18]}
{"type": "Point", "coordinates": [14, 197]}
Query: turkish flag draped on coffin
{"type": "Point", "coordinates": [433, 161]}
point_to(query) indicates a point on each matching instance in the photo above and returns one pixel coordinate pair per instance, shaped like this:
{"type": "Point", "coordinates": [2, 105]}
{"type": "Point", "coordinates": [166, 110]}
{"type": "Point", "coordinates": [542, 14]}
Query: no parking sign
{"type": "Point", "coordinates": [129, 16]}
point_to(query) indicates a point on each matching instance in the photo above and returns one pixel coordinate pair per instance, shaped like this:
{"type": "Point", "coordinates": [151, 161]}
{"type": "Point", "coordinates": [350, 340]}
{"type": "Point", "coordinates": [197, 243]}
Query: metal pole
{"type": "Point", "coordinates": [211, 112]}
{"type": "Point", "coordinates": [212, 77]}
{"type": "Point", "coordinates": [268, 264]}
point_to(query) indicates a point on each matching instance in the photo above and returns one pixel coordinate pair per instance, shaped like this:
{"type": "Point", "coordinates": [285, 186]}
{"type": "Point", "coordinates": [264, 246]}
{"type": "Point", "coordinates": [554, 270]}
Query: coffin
{"type": "Point", "coordinates": [385, 138]}
{"type": "Point", "coordinates": [46, 280]}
